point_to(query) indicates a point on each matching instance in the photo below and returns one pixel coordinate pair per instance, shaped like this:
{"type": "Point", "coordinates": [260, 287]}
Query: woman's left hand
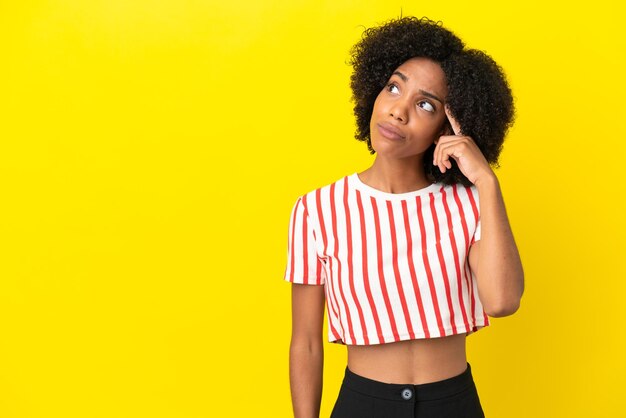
{"type": "Point", "coordinates": [463, 150]}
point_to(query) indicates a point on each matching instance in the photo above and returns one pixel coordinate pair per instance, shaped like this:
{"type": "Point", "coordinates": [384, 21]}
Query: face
{"type": "Point", "coordinates": [408, 113]}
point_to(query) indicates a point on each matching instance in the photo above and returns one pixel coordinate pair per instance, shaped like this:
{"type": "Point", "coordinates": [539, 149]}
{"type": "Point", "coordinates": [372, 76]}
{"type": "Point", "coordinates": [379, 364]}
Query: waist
{"type": "Point", "coordinates": [413, 361]}
{"type": "Point", "coordinates": [421, 392]}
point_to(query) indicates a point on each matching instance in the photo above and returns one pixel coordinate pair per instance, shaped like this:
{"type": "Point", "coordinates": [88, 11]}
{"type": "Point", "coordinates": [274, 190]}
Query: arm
{"type": "Point", "coordinates": [494, 259]}
{"type": "Point", "coordinates": [306, 352]}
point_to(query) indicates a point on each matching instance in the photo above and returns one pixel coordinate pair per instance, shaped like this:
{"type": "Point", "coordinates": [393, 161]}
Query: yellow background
{"type": "Point", "coordinates": [151, 152]}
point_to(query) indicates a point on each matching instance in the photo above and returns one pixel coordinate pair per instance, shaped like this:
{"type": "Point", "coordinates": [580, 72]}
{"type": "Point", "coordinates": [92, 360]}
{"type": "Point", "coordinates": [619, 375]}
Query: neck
{"type": "Point", "coordinates": [395, 176]}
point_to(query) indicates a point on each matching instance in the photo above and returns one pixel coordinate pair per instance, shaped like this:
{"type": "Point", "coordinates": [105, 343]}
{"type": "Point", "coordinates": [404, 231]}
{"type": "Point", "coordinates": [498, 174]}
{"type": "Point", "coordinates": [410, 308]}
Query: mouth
{"type": "Point", "coordinates": [389, 131]}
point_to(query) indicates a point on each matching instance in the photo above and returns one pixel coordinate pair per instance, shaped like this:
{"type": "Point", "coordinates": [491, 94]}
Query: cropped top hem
{"type": "Point", "coordinates": [391, 338]}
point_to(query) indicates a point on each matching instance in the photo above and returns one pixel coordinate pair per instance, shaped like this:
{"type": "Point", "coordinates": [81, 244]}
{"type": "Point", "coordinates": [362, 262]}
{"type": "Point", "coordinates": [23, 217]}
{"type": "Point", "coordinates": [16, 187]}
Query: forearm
{"type": "Point", "coordinates": [498, 267]}
{"type": "Point", "coordinates": [306, 363]}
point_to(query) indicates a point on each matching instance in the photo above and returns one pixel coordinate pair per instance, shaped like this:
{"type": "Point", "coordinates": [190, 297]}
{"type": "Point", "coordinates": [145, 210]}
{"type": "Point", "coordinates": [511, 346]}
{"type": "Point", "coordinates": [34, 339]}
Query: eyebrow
{"type": "Point", "coordinates": [424, 92]}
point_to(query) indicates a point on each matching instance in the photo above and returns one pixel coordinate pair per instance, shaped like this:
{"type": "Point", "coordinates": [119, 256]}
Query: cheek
{"type": "Point", "coordinates": [429, 128]}
{"type": "Point", "coordinates": [439, 126]}
{"type": "Point", "coordinates": [379, 104]}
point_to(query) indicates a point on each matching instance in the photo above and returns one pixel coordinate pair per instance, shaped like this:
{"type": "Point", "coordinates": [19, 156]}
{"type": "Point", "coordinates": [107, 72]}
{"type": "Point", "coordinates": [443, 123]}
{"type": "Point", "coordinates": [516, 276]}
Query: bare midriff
{"type": "Point", "coordinates": [414, 361]}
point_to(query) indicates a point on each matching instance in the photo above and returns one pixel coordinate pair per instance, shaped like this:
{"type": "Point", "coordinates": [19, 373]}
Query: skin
{"type": "Point", "coordinates": [408, 116]}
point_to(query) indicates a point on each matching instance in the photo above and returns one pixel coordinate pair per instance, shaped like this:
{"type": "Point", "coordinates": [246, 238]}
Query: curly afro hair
{"type": "Point", "coordinates": [479, 97]}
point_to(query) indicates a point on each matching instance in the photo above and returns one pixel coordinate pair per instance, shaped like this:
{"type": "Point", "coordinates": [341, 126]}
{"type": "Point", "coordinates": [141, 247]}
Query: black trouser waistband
{"type": "Point", "coordinates": [421, 392]}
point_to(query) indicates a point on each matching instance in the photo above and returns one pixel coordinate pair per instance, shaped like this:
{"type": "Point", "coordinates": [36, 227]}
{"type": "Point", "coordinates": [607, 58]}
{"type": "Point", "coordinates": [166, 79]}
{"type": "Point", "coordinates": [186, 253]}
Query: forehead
{"type": "Point", "coordinates": [424, 73]}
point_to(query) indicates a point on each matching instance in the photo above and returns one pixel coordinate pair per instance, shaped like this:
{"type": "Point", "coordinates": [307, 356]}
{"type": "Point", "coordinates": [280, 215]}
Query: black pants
{"type": "Point", "coordinates": [360, 397]}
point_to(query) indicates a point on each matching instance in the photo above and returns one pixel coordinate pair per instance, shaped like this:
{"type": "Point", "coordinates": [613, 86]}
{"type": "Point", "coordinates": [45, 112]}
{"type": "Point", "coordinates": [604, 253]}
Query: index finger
{"type": "Point", "coordinates": [453, 122]}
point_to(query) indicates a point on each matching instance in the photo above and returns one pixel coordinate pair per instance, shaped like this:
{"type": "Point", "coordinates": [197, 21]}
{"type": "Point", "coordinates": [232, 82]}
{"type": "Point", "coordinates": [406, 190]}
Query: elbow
{"type": "Point", "coordinates": [502, 309]}
{"type": "Point", "coordinates": [508, 300]}
{"type": "Point", "coordinates": [503, 306]}
{"type": "Point", "coordinates": [306, 345]}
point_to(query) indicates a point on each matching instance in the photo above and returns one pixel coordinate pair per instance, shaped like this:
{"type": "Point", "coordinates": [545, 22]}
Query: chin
{"type": "Point", "coordinates": [391, 150]}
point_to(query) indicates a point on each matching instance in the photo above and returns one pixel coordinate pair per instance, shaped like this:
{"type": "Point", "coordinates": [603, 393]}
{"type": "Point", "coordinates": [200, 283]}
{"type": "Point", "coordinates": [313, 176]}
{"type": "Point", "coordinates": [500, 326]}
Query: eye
{"type": "Point", "coordinates": [426, 106]}
{"type": "Point", "coordinates": [392, 88]}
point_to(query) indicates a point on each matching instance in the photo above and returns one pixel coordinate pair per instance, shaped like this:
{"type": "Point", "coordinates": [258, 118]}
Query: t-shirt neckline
{"type": "Point", "coordinates": [359, 185]}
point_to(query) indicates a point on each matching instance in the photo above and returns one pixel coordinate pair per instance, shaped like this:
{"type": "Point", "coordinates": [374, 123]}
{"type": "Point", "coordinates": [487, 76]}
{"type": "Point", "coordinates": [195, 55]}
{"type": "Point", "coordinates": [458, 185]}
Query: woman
{"type": "Point", "coordinates": [413, 254]}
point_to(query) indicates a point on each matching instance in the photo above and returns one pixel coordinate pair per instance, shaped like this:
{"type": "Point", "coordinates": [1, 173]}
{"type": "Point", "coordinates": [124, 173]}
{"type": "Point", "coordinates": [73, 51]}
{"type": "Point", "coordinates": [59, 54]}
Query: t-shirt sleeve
{"type": "Point", "coordinates": [303, 264]}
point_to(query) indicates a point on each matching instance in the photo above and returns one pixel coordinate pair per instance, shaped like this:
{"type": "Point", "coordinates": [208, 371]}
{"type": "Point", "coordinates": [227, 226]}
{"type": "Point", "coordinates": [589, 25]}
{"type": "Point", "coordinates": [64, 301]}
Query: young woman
{"type": "Point", "coordinates": [413, 254]}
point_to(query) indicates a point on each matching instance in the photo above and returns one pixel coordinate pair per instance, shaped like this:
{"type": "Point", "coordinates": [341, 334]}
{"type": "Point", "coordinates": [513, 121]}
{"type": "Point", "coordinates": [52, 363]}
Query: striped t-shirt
{"type": "Point", "coordinates": [394, 266]}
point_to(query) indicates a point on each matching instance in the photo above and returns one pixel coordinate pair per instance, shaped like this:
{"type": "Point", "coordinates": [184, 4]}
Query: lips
{"type": "Point", "coordinates": [389, 131]}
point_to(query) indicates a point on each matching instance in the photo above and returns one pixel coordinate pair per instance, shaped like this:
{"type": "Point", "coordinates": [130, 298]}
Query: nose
{"type": "Point", "coordinates": [399, 111]}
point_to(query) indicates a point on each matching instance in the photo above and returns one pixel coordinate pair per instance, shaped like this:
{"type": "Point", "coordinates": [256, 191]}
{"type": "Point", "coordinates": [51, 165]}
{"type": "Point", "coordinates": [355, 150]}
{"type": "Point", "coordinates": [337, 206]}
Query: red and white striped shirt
{"type": "Point", "coordinates": [394, 266]}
